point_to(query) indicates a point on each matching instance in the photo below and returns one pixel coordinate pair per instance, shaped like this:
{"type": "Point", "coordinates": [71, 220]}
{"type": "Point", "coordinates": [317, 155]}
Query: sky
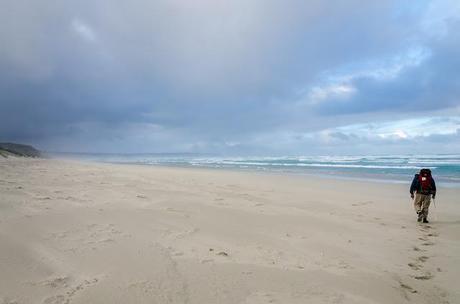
{"type": "Point", "coordinates": [241, 77]}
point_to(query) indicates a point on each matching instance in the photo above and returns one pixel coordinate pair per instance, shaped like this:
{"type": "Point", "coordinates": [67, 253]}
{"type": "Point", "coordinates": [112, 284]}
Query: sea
{"type": "Point", "coordinates": [379, 168]}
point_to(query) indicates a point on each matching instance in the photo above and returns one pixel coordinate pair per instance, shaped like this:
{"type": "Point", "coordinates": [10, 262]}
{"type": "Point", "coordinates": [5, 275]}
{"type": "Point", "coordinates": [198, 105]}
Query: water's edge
{"type": "Point", "coordinates": [396, 169]}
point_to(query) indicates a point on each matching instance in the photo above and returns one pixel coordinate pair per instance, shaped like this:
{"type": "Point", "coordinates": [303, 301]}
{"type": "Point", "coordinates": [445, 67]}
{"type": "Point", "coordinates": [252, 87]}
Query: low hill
{"type": "Point", "coordinates": [10, 149]}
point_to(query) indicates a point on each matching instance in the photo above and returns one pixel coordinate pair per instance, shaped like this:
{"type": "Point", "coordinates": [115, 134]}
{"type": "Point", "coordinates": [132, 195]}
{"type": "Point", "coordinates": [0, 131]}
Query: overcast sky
{"type": "Point", "coordinates": [265, 77]}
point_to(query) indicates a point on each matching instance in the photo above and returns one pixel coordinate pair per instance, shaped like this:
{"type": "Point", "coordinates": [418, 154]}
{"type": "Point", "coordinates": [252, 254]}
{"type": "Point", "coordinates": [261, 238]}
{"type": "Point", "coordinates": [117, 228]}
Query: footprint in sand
{"type": "Point", "coordinates": [418, 264]}
{"type": "Point", "coordinates": [415, 248]}
{"type": "Point", "coordinates": [426, 276]}
{"type": "Point", "coordinates": [43, 198]}
{"type": "Point", "coordinates": [88, 237]}
{"type": "Point", "coordinates": [427, 234]}
{"type": "Point", "coordinates": [259, 297]}
{"type": "Point", "coordinates": [220, 201]}
{"type": "Point", "coordinates": [70, 292]}
{"type": "Point", "coordinates": [180, 212]}
{"type": "Point", "coordinates": [428, 243]}
{"type": "Point", "coordinates": [406, 290]}
{"type": "Point", "coordinates": [57, 282]}
{"type": "Point", "coordinates": [58, 299]}
{"type": "Point", "coordinates": [362, 203]}
{"type": "Point", "coordinates": [414, 266]}
{"type": "Point", "coordinates": [406, 287]}
{"type": "Point", "coordinates": [8, 301]}
{"type": "Point", "coordinates": [205, 261]}
{"type": "Point", "coordinates": [422, 259]}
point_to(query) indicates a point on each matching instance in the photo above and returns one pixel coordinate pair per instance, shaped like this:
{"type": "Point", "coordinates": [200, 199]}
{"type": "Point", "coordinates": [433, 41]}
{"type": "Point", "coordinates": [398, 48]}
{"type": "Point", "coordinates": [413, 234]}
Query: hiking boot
{"type": "Point", "coordinates": [419, 216]}
{"type": "Point", "coordinates": [425, 220]}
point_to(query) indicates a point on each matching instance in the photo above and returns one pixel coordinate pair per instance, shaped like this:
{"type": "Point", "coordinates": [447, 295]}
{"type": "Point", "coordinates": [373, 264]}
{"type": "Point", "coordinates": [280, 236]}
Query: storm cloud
{"type": "Point", "coordinates": [221, 76]}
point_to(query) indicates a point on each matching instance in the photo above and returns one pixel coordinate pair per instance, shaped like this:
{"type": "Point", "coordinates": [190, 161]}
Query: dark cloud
{"type": "Point", "coordinates": [205, 75]}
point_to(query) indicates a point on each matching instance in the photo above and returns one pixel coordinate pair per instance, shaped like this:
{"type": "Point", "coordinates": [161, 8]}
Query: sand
{"type": "Point", "coordinates": [75, 232]}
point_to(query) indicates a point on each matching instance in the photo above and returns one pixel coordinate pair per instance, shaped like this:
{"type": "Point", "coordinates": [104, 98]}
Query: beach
{"type": "Point", "coordinates": [85, 232]}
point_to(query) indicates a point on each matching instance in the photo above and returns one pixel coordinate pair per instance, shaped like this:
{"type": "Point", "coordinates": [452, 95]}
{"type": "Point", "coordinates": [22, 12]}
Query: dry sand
{"type": "Point", "coordinates": [73, 232]}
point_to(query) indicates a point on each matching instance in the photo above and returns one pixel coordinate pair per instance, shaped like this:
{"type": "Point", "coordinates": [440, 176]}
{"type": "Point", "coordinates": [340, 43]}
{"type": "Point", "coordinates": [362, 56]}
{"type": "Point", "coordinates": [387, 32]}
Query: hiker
{"type": "Point", "coordinates": [425, 188]}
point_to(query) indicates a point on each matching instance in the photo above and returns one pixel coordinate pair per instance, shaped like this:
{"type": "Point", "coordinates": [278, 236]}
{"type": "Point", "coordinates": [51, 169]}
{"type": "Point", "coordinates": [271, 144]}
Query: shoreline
{"type": "Point", "coordinates": [85, 232]}
{"type": "Point", "coordinates": [371, 178]}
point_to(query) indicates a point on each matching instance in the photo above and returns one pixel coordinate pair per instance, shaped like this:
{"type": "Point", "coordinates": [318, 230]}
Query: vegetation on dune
{"type": "Point", "coordinates": [11, 149]}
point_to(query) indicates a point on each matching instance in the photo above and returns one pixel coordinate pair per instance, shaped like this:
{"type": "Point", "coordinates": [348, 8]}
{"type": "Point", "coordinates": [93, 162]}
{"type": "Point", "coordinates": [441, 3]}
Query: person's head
{"type": "Point", "coordinates": [425, 172]}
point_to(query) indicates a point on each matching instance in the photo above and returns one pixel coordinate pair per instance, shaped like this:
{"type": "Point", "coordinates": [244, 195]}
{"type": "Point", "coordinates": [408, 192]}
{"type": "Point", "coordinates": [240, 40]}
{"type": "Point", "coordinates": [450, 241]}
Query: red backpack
{"type": "Point", "coordinates": [424, 179]}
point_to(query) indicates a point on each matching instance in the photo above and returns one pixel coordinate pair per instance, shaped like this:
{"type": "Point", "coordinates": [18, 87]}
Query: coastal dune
{"type": "Point", "coordinates": [76, 232]}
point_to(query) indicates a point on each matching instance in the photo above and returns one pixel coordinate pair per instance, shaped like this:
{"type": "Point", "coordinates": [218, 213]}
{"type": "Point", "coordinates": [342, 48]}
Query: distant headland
{"type": "Point", "coordinates": [11, 149]}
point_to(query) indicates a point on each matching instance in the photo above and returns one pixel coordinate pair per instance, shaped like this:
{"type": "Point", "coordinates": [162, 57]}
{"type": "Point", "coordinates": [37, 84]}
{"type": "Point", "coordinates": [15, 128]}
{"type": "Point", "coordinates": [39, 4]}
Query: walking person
{"type": "Point", "coordinates": [424, 187]}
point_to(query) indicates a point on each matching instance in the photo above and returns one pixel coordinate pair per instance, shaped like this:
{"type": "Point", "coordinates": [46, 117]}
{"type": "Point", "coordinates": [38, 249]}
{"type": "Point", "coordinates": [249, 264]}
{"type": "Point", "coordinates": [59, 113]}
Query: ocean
{"type": "Point", "coordinates": [381, 168]}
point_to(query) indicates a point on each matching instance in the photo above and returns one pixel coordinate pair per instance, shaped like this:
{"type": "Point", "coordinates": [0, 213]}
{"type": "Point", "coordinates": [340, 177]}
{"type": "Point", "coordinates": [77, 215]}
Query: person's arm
{"type": "Point", "coordinates": [433, 187]}
{"type": "Point", "coordinates": [413, 186]}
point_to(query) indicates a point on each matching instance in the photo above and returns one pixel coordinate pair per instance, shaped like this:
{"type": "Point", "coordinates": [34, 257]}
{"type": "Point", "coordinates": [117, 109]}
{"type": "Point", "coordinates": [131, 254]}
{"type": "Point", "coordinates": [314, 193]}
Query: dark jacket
{"type": "Point", "coordinates": [416, 187]}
